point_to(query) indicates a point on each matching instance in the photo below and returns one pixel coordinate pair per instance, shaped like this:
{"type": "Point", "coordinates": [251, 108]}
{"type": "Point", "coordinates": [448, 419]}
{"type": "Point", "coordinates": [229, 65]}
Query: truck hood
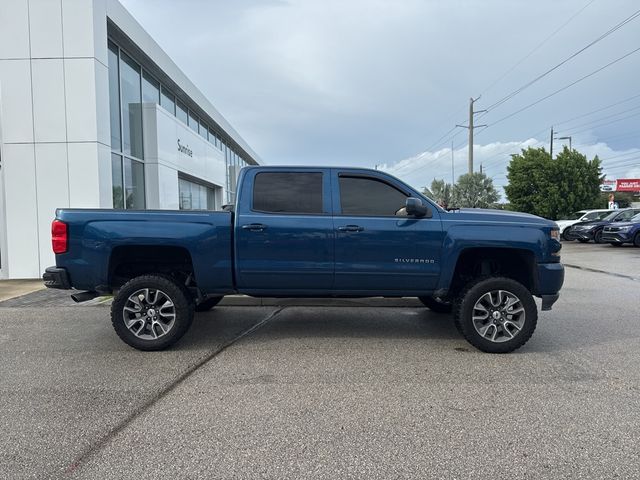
{"type": "Point", "coordinates": [498, 216]}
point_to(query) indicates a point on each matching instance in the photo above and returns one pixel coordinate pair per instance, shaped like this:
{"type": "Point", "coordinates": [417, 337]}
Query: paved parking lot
{"type": "Point", "coordinates": [379, 389]}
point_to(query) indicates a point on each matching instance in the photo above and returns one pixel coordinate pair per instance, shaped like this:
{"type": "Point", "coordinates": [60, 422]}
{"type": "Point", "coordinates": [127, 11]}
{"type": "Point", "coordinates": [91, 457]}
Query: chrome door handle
{"type": "Point", "coordinates": [254, 227]}
{"type": "Point", "coordinates": [351, 228]}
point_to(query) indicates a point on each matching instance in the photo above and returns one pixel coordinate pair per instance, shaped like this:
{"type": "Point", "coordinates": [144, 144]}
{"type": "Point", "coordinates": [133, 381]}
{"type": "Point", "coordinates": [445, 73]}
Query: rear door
{"type": "Point", "coordinates": [284, 233]}
{"type": "Point", "coordinates": [378, 250]}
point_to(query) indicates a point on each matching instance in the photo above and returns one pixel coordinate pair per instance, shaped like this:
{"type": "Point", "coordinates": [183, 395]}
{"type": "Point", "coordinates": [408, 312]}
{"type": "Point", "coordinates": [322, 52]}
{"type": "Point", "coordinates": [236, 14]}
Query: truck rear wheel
{"type": "Point", "coordinates": [207, 304]}
{"type": "Point", "coordinates": [496, 314]}
{"type": "Point", "coordinates": [151, 312]}
{"type": "Point", "coordinates": [436, 305]}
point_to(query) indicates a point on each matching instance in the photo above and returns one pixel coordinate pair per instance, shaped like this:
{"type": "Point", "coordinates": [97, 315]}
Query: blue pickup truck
{"type": "Point", "coordinates": [312, 232]}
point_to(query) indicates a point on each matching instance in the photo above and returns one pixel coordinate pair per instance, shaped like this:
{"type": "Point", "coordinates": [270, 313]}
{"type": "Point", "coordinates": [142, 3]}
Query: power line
{"type": "Point", "coordinates": [598, 110]}
{"type": "Point", "coordinates": [599, 119]}
{"type": "Point", "coordinates": [572, 132]}
{"type": "Point", "coordinates": [613, 29]}
{"type": "Point", "coordinates": [443, 138]}
{"type": "Point", "coordinates": [537, 47]}
{"type": "Point", "coordinates": [565, 87]}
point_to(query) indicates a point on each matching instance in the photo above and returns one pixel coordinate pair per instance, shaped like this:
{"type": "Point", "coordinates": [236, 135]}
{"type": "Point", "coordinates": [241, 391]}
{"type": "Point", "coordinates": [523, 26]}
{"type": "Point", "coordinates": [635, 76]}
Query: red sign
{"type": "Point", "coordinates": [628, 185]}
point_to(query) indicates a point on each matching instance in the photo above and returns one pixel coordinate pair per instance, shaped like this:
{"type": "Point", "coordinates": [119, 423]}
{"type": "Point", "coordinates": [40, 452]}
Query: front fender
{"type": "Point", "coordinates": [463, 237]}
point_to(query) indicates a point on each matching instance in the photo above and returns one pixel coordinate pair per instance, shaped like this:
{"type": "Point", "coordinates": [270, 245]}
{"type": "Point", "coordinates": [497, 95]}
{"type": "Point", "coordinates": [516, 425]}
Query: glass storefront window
{"type": "Point", "coordinates": [118, 184]}
{"type": "Point", "coordinates": [128, 182]}
{"type": "Point", "coordinates": [195, 196]}
{"type": "Point", "coordinates": [131, 110]}
{"type": "Point", "coordinates": [114, 97]}
{"type": "Point", "coordinates": [134, 184]}
{"type": "Point", "coordinates": [204, 131]}
{"type": "Point", "coordinates": [181, 112]}
{"type": "Point", "coordinates": [150, 89]}
{"type": "Point", "coordinates": [168, 101]}
{"type": "Point", "coordinates": [193, 122]}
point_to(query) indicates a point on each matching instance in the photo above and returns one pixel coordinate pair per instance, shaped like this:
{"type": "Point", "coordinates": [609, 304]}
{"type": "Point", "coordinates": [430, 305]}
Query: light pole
{"type": "Point", "coordinates": [565, 138]}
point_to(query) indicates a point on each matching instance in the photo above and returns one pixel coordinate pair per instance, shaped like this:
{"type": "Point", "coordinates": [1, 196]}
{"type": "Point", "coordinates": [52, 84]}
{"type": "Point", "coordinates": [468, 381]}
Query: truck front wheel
{"type": "Point", "coordinates": [151, 312]}
{"type": "Point", "coordinates": [496, 314]}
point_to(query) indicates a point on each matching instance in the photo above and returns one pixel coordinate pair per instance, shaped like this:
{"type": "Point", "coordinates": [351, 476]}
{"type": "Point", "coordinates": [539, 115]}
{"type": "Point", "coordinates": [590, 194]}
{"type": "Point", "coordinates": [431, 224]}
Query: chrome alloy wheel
{"type": "Point", "coordinates": [149, 314]}
{"type": "Point", "coordinates": [498, 316]}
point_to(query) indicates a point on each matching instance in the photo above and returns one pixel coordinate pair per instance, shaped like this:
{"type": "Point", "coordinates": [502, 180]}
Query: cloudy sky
{"type": "Point", "coordinates": [372, 82]}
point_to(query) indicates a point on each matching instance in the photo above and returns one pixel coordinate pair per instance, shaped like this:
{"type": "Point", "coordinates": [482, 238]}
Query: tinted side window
{"type": "Point", "coordinates": [590, 216]}
{"type": "Point", "coordinates": [367, 196]}
{"type": "Point", "coordinates": [627, 215]}
{"type": "Point", "coordinates": [292, 192]}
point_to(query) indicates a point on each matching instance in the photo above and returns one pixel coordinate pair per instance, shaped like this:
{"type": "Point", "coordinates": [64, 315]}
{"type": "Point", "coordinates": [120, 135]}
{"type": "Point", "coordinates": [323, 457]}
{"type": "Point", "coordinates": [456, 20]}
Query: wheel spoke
{"type": "Point", "coordinates": [149, 313]}
{"type": "Point", "coordinates": [508, 323]}
{"type": "Point", "coordinates": [483, 331]}
{"type": "Point", "coordinates": [498, 316]}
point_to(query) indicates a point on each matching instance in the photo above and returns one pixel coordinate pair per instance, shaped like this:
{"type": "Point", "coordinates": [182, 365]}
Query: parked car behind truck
{"type": "Point", "coordinates": [565, 225]}
{"type": "Point", "coordinates": [593, 229]}
{"type": "Point", "coordinates": [321, 232]}
{"type": "Point", "coordinates": [624, 232]}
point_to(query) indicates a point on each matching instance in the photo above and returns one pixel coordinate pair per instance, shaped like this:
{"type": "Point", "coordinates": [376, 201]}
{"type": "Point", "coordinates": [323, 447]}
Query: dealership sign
{"type": "Point", "coordinates": [608, 186]}
{"type": "Point", "coordinates": [628, 185]}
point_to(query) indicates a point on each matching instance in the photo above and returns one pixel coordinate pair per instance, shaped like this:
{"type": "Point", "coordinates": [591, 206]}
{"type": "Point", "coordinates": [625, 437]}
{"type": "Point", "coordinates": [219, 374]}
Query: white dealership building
{"type": "Point", "coordinates": [93, 114]}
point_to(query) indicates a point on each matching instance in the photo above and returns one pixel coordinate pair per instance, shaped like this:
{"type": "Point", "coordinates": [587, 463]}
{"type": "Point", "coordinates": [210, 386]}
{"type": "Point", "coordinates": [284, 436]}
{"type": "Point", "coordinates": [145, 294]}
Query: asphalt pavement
{"type": "Point", "coordinates": [322, 389]}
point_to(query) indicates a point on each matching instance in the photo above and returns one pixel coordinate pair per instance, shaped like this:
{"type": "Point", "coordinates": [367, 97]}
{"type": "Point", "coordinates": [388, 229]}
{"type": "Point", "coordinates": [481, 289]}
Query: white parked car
{"type": "Point", "coordinates": [579, 216]}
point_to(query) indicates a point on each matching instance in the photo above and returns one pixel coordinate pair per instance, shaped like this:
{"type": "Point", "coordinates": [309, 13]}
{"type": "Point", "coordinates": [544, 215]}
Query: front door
{"type": "Point", "coordinates": [284, 232]}
{"type": "Point", "coordinates": [378, 249]}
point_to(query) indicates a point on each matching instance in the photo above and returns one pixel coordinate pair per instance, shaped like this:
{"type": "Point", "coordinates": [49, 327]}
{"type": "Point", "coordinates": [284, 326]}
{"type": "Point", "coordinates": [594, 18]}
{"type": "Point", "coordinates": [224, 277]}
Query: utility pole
{"type": "Point", "coordinates": [551, 145]}
{"type": "Point", "coordinates": [470, 127]}
{"type": "Point", "coordinates": [481, 168]}
{"type": "Point", "coordinates": [565, 138]}
{"type": "Point", "coordinates": [453, 177]}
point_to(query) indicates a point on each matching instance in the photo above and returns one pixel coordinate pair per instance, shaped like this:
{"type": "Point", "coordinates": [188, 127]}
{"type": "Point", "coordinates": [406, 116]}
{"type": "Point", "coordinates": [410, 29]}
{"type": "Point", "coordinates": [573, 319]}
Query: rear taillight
{"type": "Point", "coordinates": [59, 236]}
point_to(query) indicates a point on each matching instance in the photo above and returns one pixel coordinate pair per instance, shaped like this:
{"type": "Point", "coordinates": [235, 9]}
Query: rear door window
{"type": "Point", "coordinates": [288, 192]}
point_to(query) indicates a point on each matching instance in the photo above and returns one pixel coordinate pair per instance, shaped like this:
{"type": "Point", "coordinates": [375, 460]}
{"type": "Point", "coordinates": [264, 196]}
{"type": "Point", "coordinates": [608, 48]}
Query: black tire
{"type": "Point", "coordinates": [207, 304]}
{"type": "Point", "coordinates": [473, 292]}
{"type": "Point", "coordinates": [566, 235]}
{"type": "Point", "coordinates": [597, 236]}
{"type": "Point", "coordinates": [636, 240]}
{"type": "Point", "coordinates": [182, 310]}
{"type": "Point", "coordinates": [436, 305]}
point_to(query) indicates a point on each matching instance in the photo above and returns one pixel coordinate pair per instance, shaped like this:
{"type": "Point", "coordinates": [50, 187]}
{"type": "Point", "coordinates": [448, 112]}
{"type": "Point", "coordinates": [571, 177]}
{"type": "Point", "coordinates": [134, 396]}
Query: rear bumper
{"type": "Point", "coordinates": [55, 277]}
{"type": "Point", "coordinates": [616, 237]}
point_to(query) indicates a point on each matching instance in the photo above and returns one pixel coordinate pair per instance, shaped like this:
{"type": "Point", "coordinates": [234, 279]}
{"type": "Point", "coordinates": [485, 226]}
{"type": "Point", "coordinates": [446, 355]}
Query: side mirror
{"type": "Point", "coordinates": [415, 208]}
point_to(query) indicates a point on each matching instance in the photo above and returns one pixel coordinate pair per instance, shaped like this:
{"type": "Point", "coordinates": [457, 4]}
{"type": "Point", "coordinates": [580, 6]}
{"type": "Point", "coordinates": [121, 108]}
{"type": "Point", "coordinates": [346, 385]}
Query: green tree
{"type": "Point", "coordinates": [553, 188]}
{"type": "Point", "coordinates": [529, 186]}
{"type": "Point", "coordinates": [441, 193]}
{"type": "Point", "coordinates": [474, 190]}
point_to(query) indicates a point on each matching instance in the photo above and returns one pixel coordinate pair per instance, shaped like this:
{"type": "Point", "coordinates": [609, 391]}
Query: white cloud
{"type": "Point", "coordinates": [420, 170]}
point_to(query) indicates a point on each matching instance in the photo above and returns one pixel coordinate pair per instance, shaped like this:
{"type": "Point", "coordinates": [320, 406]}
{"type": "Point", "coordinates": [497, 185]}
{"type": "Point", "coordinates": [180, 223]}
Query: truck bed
{"type": "Point", "coordinates": [98, 235]}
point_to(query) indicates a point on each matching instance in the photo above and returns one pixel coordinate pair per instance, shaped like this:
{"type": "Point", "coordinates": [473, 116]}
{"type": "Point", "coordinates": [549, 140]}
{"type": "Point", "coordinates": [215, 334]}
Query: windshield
{"type": "Point", "coordinates": [611, 216]}
{"type": "Point", "coordinates": [576, 215]}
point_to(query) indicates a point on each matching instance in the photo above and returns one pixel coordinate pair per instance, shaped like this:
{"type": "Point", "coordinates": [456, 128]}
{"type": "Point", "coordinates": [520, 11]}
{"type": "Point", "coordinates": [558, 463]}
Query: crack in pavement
{"type": "Point", "coordinates": [595, 270]}
{"type": "Point", "coordinates": [120, 426]}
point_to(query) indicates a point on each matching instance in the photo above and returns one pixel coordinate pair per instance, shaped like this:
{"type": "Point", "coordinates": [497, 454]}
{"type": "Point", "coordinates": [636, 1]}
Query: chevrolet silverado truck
{"type": "Point", "coordinates": [311, 232]}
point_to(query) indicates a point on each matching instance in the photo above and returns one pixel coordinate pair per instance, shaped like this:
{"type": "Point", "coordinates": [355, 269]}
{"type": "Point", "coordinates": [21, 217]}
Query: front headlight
{"type": "Point", "coordinates": [625, 229]}
{"type": "Point", "coordinates": [555, 234]}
